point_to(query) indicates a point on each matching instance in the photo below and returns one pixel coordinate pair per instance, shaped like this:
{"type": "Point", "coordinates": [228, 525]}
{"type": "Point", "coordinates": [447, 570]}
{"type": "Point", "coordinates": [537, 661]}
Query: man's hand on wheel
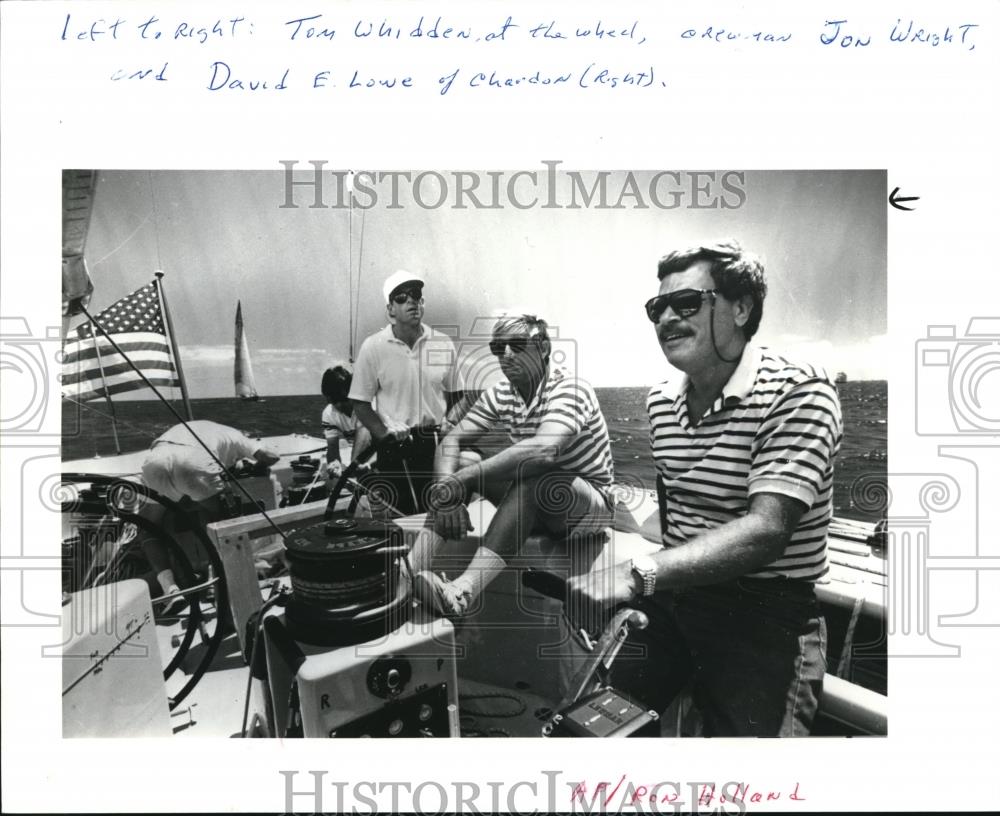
{"type": "Point", "coordinates": [395, 432]}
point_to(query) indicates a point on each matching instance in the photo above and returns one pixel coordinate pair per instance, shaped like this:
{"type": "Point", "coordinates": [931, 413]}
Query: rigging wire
{"type": "Point", "coordinates": [350, 275]}
{"type": "Point", "coordinates": [124, 422]}
{"type": "Point", "coordinates": [124, 241]}
{"type": "Point", "coordinates": [144, 430]}
{"type": "Point", "coordinates": [173, 410]}
{"type": "Point", "coordinates": [156, 235]}
{"type": "Point", "coordinates": [156, 219]}
{"type": "Point", "coordinates": [356, 305]}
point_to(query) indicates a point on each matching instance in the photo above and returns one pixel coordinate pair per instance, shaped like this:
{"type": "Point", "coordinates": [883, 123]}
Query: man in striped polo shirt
{"type": "Point", "coordinates": [556, 473]}
{"type": "Point", "coordinates": [743, 441]}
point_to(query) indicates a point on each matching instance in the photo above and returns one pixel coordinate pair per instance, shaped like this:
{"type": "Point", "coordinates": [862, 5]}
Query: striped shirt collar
{"type": "Point", "coordinates": [737, 387]}
{"type": "Point", "coordinates": [553, 375]}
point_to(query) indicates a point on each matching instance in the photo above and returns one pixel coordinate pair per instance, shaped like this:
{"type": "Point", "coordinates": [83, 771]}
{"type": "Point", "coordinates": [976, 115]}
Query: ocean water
{"type": "Point", "coordinates": [859, 476]}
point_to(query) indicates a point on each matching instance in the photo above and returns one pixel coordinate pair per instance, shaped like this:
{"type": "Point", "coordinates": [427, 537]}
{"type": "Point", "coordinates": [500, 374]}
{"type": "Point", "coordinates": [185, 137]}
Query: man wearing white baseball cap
{"type": "Point", "coordinates": [408, 370]}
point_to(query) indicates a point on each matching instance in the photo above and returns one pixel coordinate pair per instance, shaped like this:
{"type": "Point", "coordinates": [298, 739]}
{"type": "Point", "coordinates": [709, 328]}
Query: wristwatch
{"type": "Point", "coordinates": [645, 568]}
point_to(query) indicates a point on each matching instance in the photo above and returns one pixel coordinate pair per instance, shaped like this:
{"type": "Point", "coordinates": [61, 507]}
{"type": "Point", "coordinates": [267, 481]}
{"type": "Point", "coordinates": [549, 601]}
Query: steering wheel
{"type": "Point", "coordinates": [124, 563]}
{"type": "Point", "coordinates": [366, 454]}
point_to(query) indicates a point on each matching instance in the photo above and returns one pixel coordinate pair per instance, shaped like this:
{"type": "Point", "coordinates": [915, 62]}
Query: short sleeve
{"type": "Point", "coordinates": [332, 429]}
{"type": "Point", "coordinates": [364, 385]}
{"type": "Point", "coordinates": [453, 379]}
{"type": "Point", "coordinates": [797, 442]}
{"type": "Point", "coordinates": [571, 403]}
{"type": "Point", "coordinates": [485, 413]}
{"type": "Point", "coordinates": [238, 446]}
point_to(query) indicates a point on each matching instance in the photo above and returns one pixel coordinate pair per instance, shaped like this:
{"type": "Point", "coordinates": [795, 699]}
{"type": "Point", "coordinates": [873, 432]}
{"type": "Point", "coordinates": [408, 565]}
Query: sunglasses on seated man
{"type": "Point", "coordinates": [684, 302]}
{"type": "Point", "coordinates": [414, 293]}
{"type": "Point", "coordinates": [498, 346]}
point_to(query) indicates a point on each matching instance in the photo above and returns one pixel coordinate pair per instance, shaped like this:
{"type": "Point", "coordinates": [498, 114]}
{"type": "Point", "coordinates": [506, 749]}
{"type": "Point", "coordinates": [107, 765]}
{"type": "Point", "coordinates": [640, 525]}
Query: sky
{"type": "Point", "coordinates": [221, 236]}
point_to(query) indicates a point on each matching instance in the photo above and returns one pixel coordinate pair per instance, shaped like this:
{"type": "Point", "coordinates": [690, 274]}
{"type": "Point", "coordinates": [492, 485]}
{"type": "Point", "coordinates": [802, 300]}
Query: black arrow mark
{"type": "Point", "coordinates": [895, 200]}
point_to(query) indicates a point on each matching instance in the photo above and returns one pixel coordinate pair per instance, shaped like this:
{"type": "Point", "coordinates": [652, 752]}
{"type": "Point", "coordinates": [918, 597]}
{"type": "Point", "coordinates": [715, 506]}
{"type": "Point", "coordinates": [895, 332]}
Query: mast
{"type": "Point", "coordinates": [78, 188]}
{"type": "Point", "coordinates": [173, 344]}
{"type": "Point", "coordinates": [104, 382]}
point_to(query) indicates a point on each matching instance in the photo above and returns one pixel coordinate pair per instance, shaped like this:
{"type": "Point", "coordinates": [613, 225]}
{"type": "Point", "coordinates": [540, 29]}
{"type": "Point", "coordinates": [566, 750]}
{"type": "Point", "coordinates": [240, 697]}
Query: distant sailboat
{"type": "Point", "coordinates": [242, 370]}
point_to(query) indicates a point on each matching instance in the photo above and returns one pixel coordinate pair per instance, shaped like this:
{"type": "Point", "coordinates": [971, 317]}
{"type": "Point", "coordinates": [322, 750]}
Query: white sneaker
{"type": "Point", "coordinates": [440, 595]}
{"type": "Point", "coordinates": [173, 606]}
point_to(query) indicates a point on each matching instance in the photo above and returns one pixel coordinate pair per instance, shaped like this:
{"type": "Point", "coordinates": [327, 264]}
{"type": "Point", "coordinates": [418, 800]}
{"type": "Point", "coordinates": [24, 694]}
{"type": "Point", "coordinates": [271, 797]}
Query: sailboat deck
{"type": "Point", "coordinates": [498, 647]}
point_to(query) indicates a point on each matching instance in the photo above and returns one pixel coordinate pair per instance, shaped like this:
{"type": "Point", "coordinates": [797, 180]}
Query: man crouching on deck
{"type": "Point", "coordinates": [743, 445]}
{"type": "Point", "coordinates": [555, 475]}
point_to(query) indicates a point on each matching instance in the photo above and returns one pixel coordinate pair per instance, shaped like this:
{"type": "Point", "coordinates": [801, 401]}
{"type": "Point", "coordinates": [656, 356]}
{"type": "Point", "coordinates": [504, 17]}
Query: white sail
{"type": "Point", "coordinates": [242, 370]}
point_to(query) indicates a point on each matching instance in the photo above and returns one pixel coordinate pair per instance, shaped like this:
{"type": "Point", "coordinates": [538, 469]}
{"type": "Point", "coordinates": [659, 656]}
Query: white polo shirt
{"type": "Point", "coordinates": [410, 383]}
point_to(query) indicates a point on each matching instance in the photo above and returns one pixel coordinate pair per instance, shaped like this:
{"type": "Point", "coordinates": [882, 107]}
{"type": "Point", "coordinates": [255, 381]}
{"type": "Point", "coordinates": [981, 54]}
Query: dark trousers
{"type": "Point", "coordinates": [752, 652]}
{"type": "Point", "coordinates": [404, 473]}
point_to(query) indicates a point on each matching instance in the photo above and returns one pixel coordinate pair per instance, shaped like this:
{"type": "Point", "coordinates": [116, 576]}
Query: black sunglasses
{"type": "Point", "coordinates": [414, 292]}
{"type": "Point", "coordinates": [517, 344]}
{"type": "Point", "coordinates": [684, 302]}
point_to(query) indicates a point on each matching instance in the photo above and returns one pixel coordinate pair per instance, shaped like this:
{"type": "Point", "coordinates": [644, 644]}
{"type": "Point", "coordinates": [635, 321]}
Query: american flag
{"type": "Point", "coordinates": [136, 323]}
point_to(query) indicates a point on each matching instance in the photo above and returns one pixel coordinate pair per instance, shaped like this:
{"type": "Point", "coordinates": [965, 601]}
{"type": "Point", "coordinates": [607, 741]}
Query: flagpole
{"type": "Point", "coordinates": [235, 482]}
{"type": "Point", "coordinates": [104, 382]}
{"type": "Point", "coordinates": [173, 343]}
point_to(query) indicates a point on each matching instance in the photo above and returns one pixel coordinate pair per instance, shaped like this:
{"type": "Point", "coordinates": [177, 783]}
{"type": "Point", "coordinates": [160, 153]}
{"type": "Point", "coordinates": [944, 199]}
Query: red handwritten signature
{"type": "Point", "coordinates": [626, 793]}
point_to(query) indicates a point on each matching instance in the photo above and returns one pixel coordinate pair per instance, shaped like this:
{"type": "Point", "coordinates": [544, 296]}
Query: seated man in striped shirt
{"type": "Point", "coordinates": [556, 473]}
{"type": "Point", "coordinates": [743, 442]}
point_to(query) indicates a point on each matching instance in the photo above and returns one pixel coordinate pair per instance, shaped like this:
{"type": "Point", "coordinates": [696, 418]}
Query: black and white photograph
{"type": "Point", "coordinates": [502, 378]}
{"type": "Point", "coordinates": [258, 398]}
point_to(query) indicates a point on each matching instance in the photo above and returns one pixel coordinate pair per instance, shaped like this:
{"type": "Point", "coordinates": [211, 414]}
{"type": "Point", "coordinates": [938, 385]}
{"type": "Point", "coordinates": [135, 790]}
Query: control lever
{"type": "Point", "coordinates": [545, 583]}
{"type": "Point", "coordinates": [593, 675]}
{"type": "Point", "coordinates": [591, 707]}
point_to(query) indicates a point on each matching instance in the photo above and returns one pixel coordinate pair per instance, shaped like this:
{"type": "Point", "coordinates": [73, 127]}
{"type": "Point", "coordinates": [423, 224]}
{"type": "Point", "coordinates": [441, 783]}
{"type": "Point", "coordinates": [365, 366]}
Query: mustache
{"type": "Point", "coordinates": [663, 332]}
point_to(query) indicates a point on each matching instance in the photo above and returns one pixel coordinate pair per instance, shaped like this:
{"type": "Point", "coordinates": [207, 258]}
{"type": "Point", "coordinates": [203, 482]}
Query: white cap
{"type": "Point", "coordinates": [397, 279]}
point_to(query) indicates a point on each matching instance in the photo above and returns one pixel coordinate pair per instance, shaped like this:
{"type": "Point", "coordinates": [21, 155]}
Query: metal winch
{"type": "Point", "coordinates": [346, 586]}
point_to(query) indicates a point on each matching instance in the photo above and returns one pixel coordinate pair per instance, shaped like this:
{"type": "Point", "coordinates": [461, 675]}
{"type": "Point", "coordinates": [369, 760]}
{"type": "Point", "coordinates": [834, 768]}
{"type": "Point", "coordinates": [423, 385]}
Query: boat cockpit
{"type": "Point", "coordinates": [297, 621]}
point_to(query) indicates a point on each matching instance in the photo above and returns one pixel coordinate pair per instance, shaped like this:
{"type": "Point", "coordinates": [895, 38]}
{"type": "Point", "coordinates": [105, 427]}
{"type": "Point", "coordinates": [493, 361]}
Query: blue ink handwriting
{"type": "Point", "coordinates": [724, 35]}
{"type": "Point", "coordinates": [832, 34]}
{"type": "Point", "coordinates": [910, 33]}
{"type": "Point", "coordinates": [93, 32]}
{"type": "Point", "coordinates": [142, 73]}
{"type": "Point", "coordinates": [589, 77]}
{"type": "Point", "coordinates": [311, 32]}
{"type": "Point", "coordinates": [201, 33]}
{"type": "Point", "coordinates": [222, 78]}
{"type": "Point", "coordinates": [361, 80]}
{"type": "Point", "coordinates": [395, 31]}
